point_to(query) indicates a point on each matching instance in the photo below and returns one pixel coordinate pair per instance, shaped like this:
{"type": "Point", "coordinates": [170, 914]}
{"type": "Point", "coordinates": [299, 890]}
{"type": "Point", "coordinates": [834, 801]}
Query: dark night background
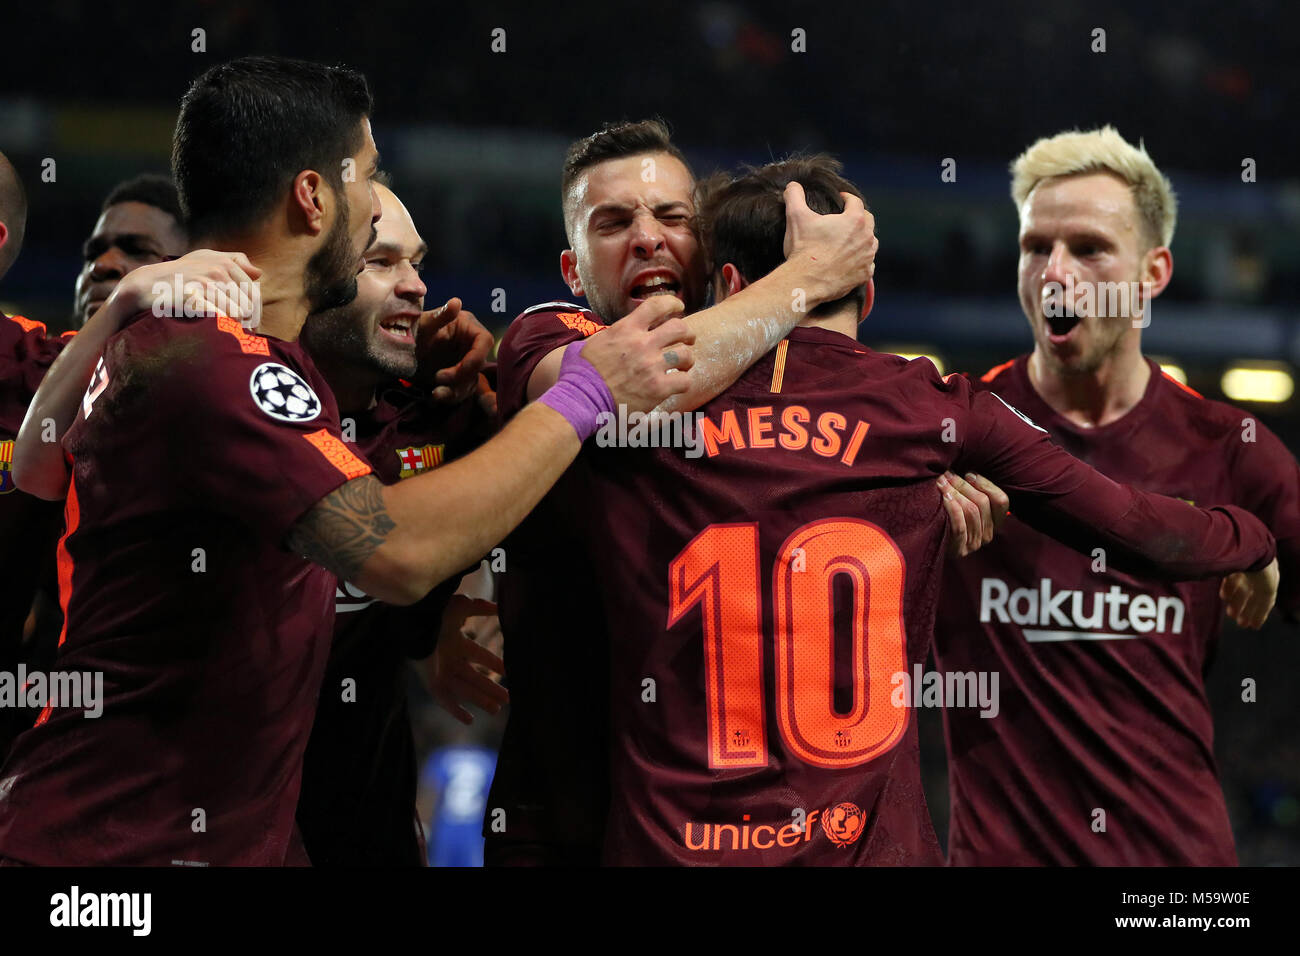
{"type": "Point", "coordinates": [475, 138]}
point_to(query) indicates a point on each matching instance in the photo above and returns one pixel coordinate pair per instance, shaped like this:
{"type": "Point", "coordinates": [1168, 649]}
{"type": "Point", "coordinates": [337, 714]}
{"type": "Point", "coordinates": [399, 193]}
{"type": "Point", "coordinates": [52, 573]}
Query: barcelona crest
{"type": "Point", "coordinates": [417, 459]}
{"type": "Point", "coordinates": [6, 467]}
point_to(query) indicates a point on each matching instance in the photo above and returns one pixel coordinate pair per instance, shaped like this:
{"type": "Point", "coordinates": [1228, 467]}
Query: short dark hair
{"type": "Point", "coordinates": [150, 189]}
{"type": "Point", "coordinates": [248, 127]}
{"type": "Point", "coordinates": [741, 218]}
{"type": "Point", "coordinates": [616, 141]}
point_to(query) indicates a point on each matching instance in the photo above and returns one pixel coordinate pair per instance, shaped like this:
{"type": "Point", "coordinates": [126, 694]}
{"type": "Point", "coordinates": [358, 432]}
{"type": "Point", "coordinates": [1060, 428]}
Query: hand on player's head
{"type": "Point", "coordinates": [838, 248]}
{"type": "Point", "coordinates": [643, 357]}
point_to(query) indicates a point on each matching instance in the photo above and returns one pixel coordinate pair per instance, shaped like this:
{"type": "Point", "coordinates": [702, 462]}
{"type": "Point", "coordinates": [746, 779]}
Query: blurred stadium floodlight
{"type": "Point", "coordinates": [1258, 382]}
{"type": "Point", "coordinates": [1170, 368]}
{"type": "Point", "coordinates": [914, 352]}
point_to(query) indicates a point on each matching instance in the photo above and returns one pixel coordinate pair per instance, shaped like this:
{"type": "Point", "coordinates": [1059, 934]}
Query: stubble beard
{"type": "Point", "coordinates": [331, 278]}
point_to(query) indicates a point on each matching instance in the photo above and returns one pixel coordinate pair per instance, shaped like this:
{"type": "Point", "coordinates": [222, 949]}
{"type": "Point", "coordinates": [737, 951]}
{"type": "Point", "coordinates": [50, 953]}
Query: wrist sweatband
{"type": "Point", "coordinates": [579, 394]}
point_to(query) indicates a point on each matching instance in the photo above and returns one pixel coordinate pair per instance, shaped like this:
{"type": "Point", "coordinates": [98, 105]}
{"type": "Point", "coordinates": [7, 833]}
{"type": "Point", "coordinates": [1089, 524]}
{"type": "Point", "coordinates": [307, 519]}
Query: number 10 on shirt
{"type": "Point", "coordinates": [719, 571]}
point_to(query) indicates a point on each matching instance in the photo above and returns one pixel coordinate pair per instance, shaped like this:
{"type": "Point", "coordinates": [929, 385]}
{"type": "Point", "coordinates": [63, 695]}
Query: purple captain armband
{"type": "Point", "coordinates": [579, 394]}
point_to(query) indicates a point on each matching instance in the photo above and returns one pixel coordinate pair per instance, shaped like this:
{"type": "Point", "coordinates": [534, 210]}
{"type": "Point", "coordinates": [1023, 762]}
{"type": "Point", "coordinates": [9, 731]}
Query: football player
{"type": "Point", "coordinates": [139, 224]}
{"type": "Point", "coordinates": [1103, 750]}
{"type": "Point", "coordinates": [769, 598]}
{"type": "Point", "coordinates": [212, 503]}
{"type": "Point", "coordinates": [357, 805]}
{"type": "Point", "coordinates": [26, 351]}
{"type": "Point", "coordinates": [628, 202]}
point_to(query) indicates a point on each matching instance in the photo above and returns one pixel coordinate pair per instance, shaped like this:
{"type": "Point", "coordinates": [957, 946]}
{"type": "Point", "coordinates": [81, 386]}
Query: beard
{"type": "Point", "coordinates": [608, 306]}
{"type": "Point", "coordinates": [346, 338]}
{"type": "Point", "coordinates": [1102, 340]}
{"type": "Point", "coordinates": [612, 304]}
{"type": "Point", "coordinates": [331, 279]}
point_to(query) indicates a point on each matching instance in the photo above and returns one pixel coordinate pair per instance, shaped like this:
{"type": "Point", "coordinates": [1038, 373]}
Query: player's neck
{"type": "Point", "coordinates": [845, 322]}
{"type": "Point", "coordinates": [353, 393]}
{"type": "Point", "coordinates": [1096, 398]}
{"type": "Point", "coordinates": [282, 294]}
{"type": "Point", "coordinates": [355, 400]}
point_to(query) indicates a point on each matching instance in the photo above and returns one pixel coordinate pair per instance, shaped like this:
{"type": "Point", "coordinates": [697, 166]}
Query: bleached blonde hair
{"type": "Point", "coordinates": [1101, 150]}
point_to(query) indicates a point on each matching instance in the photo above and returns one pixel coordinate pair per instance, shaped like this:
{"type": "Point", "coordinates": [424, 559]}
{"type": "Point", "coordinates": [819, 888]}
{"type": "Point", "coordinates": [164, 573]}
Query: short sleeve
{"type": "Point", "coordinates": [260, 430]}
{"type": "Point", "coordinates": [532, 336]}
{"type": "Point", "coordinates": [26, 352]}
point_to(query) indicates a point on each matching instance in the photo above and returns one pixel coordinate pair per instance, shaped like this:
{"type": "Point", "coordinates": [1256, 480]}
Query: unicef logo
{"type": "Point", "coordinates": [843, 823]}
{"type": "Point", "coordinates": [282, 393]}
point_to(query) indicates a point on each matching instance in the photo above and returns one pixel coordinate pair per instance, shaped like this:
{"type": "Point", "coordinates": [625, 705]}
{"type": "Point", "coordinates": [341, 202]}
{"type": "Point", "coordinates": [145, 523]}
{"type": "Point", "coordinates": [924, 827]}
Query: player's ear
{"type": "Point", "coordinates": [868, 299]}
{"type": "Point", "coordinates": [718, 287]}
{"type": "Point", "coordinates": [4, 235]}
{"type": "Point", "coordinates": [569, 269]}
{"type": "Point", "coordinates": [1157, 269]}
{"type": "Point", "coordinates": [307, 199]}
{"type": "Point", "coordinates": [732, 280]}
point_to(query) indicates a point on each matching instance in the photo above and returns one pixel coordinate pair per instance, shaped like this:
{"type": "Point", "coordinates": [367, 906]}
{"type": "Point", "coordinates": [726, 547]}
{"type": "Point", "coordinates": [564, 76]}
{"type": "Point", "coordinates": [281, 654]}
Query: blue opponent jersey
{"type": "Point", "coordinates": [460, 777]}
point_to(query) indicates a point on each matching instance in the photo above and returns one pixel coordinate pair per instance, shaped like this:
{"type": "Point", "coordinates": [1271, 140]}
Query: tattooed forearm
{"type": "Point", "coordinates": [345, 527]}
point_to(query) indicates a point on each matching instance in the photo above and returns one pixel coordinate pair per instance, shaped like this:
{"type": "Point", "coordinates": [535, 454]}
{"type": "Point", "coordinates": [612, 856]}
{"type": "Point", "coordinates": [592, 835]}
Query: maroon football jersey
{"type": "Point", "coordinates": [196, 448]}
{"type": "Point", "coordinates": [1102, 751]}
{"type": "Point", "coordinates": [551, 780]}
{"type": "Point", "coordinates": [357, 805]}
{"type": "Point", "coordinates": [27, 351]}
{"type": "Point", "coordinates": [766, 598]}
{"type": "Point", "coordinates": [29, 527]}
